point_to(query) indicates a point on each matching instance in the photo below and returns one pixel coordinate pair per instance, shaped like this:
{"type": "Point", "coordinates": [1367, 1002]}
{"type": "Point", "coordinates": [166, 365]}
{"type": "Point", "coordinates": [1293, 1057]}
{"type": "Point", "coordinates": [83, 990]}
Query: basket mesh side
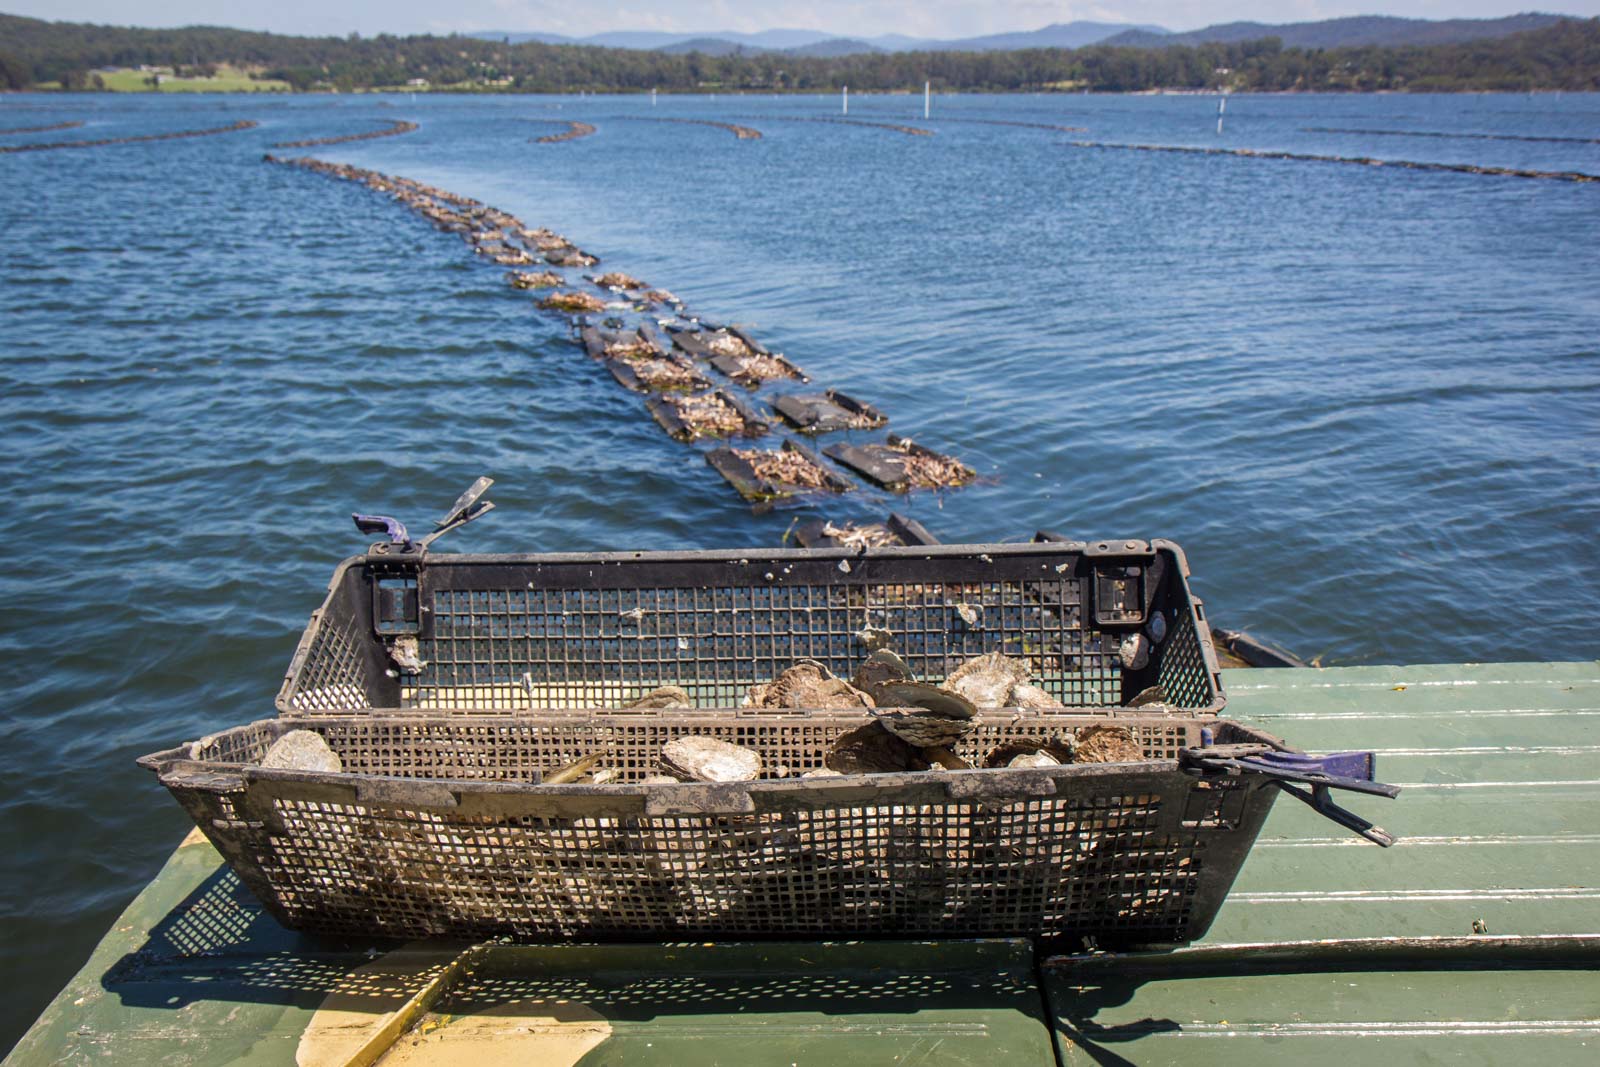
{"type": "Point", "coordinates": [1118, 856]}
{"type": "Point", "coordinates": [1050, 867]}
{"type": "Point", "coordinates": [331, 677]}
{"type": "Point", "coordinates": [1183, 670]}
{"type": "Point", "coordinates": [540, 648]}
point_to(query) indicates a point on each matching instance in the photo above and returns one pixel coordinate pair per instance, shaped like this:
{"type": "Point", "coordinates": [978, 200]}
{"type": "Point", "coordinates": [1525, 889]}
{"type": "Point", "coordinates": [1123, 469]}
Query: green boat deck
{"type": "Point", "coordinates": [1313, 956]}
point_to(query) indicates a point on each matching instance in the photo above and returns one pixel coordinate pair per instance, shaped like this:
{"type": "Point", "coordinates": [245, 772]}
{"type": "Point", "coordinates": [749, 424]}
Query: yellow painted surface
{"type": "Point", "coordinates": [368, 1001]}
{"type": "Point", "coordinates": [550, 1033]}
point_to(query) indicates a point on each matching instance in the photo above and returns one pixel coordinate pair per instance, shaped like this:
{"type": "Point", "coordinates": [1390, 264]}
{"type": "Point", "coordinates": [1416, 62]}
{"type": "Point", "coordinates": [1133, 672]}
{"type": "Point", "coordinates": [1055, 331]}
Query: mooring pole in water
{"type": "Point", "coordinates": [845, 99]}
{"type": "Point", "coordinates": [927, 93]}
{"type": "Point", "coordinates": [652, 98]}
{"type": "Point", "coordinates": [1222, 105]}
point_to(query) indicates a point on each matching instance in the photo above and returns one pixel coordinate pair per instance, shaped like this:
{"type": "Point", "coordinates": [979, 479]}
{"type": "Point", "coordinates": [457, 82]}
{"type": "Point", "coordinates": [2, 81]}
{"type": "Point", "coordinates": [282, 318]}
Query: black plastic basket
{"type": "Point", "coordinates": [516, 665]}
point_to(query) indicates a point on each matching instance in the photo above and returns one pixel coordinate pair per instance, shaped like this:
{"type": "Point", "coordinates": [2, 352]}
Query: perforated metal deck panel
{"type": "Point", "coordinates": [1500, 770]}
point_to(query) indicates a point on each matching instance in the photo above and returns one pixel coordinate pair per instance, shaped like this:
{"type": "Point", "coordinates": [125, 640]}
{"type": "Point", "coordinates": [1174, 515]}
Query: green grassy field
{"type": "Point", "coordinates": [226, 81]}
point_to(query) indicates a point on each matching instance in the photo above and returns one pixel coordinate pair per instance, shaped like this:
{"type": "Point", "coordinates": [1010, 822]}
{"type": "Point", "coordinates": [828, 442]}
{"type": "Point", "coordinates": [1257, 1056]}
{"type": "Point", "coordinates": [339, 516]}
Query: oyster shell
{"type": "Point", "coordinates": [1057, 748]}
{"type": "Point", "coordinates": [871, 749]}
{"type": "Point", "coordinates": [705, 759]}
{"type": "Point", "coordinates": [1028, 695]}
{"type": "Point", "coordinates": [667, 696]}
{"type": "Point", "coordinates": [988, 680]}
{"type": "Point", "coordinates": [1107, 744]}
{"type": "Point", "coordinates": [302, 750]}
{"type": "Point", "coordinates": [924, 728]}
{"type": "Point", "coordinates": [808, 684]}
{"type": "Point", "coordinates": [879, 669]}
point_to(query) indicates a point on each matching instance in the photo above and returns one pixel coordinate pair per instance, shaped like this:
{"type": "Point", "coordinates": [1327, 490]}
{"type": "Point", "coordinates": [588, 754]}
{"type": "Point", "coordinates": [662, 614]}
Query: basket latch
{"type": "Point", "coordinates": [1118, 594]}
{"type": "Point", "coordinates": [1352, 771]}
{"type": "Point", "coordinates": [468, 506]}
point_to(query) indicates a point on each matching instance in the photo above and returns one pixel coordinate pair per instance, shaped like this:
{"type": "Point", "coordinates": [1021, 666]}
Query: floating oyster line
{"type": "Point", "coordinates": [1363, 161]}
{"type": "Point", "coordinates": [743, 133]}
{"type": "Point", "coordinates": [234, 127]}
{"type": "Point", "coordinates": [394, 129]}
{"type": "Point", "coordinates": [615, 321]}
{"type": "Point", "coordinates": [573, 131]}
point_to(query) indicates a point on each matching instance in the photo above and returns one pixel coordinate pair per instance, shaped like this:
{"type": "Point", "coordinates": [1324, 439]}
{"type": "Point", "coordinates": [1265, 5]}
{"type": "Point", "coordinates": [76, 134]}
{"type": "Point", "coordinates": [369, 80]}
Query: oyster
{"type": "Point", "coordinates": [302, 750]}
{"type": "Point", "coordinates": [667, 696]}
{"type": "Point", "coordinates": [1107, 744]}
{"type": "Point", "coordinates": [879, 669]}
{"type": "Point", "coordinates": [808, 684]}
{"type": "Point", "coordinates": [1028, 695]}
{"type": "Point", "coordinates": [1155, 696]}
{"type": "Point", "coordinates": [925, 715]}
{"type": "Point", "coordinates": [1134, 651]}
{"type": "Point", "coordinates": [989, 679]}
{"type": "Point", "coordinates": [705, 759]}
{"type": "Point", "coordinates": [871, 749]}
{"type": "Point", "coordinates": [924, 728]}
{"type": "Point", "coordinates": [1059, 750]}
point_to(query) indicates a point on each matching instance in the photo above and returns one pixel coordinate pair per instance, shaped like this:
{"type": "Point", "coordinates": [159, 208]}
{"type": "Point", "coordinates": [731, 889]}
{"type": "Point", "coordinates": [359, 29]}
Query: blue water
{"type": "Point", "coordinates": [1366, 401]}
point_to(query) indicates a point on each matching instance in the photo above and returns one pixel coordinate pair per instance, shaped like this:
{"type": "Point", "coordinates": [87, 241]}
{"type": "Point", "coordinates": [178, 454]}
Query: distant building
{"type": "Point", "coordinates": [418, 83]}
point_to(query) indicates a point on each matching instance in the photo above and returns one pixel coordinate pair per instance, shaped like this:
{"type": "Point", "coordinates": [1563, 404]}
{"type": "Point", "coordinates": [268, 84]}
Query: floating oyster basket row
{"type": "Point", "coordinates": [439, 824]}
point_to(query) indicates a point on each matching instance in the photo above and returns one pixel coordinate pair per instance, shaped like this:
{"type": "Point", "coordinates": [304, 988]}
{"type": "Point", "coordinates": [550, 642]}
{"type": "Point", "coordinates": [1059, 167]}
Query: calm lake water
{"type": "Point", "coordinates": [1366, 401]}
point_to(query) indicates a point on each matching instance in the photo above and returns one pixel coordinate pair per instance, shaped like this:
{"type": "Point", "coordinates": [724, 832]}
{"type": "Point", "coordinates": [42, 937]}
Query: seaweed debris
{"type": "Point", "coordinates": [657, 374]}
{"type": "Point", "coordinates": [545, 279]}
{"type": "Point", "coordinates": [896, 529]}
{"type": "Point", "coordinates": [901, 465]}
{"type": "Point", "coordinates": [716, 413]}
{"type": "Point", "coordinates": [762, 475]}
{"type": "Point", "coordinates": [572, 301]}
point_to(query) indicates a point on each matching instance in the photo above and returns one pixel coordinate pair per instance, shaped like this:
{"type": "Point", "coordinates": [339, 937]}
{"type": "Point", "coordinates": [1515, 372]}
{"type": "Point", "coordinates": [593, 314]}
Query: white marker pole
{"type": "Point", "coordinates": [1222, 105]}
{"type": "Point", "coordinates": [652, 98]}
{"type": "Point", "coordinates": [927, 95]}
{"type": "Point", "coordinates": [845, 98]}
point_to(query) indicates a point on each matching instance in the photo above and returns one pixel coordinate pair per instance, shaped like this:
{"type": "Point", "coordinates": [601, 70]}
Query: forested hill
{"type": "Point", "coordinates": [34, 52]}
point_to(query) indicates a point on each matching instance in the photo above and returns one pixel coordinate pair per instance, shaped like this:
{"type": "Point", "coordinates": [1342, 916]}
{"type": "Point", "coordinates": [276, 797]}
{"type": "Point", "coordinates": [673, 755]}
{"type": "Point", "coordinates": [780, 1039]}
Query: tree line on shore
{"type": "Point", "coordinates": [1565, 56]}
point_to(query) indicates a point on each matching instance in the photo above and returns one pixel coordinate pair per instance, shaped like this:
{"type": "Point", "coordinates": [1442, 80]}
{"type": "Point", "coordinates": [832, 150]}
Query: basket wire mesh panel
{"type": "Point", "coordinates": [520, 633]}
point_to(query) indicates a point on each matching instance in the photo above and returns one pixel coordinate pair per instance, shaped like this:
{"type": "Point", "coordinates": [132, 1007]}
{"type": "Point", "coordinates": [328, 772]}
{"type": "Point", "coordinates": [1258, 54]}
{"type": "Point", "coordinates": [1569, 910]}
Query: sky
{"type": "Point", "coordinates": [918, 18]}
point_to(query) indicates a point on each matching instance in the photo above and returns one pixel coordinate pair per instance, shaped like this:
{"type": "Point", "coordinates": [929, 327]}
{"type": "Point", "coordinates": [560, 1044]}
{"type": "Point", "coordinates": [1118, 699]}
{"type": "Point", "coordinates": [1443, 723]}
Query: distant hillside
{"type": "Point", "coordinates": [1057, 35]}
{"type": "Point", "coordinates": [1350, 32]}
{"type": "Point", "coordinates": [33, 52]}
{"type": "Point", "coordinates": [834, 47]}
{"type": "Point", "coordinates": [1345, 33]}
{"type": "Point", "coordinates": [709, 46]}
{"type": "Point", "coordinates": [815, 43]}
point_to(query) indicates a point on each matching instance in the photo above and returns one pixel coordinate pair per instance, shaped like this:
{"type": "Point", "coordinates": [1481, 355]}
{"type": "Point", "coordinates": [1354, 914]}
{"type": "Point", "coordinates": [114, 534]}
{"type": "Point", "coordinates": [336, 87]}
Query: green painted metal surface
{"type": "Point", "coordinates": [194, 973]}
{"type": "Point", "coordinates": [1499, 825]}
{"type": "Point", "coordinates": [1501, 765]}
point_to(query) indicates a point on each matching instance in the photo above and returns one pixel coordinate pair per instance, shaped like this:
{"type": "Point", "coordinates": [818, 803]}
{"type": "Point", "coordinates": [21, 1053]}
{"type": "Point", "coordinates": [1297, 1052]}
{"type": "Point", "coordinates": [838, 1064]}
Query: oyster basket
{"type": "Point", "coordinates": [449, 684]}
